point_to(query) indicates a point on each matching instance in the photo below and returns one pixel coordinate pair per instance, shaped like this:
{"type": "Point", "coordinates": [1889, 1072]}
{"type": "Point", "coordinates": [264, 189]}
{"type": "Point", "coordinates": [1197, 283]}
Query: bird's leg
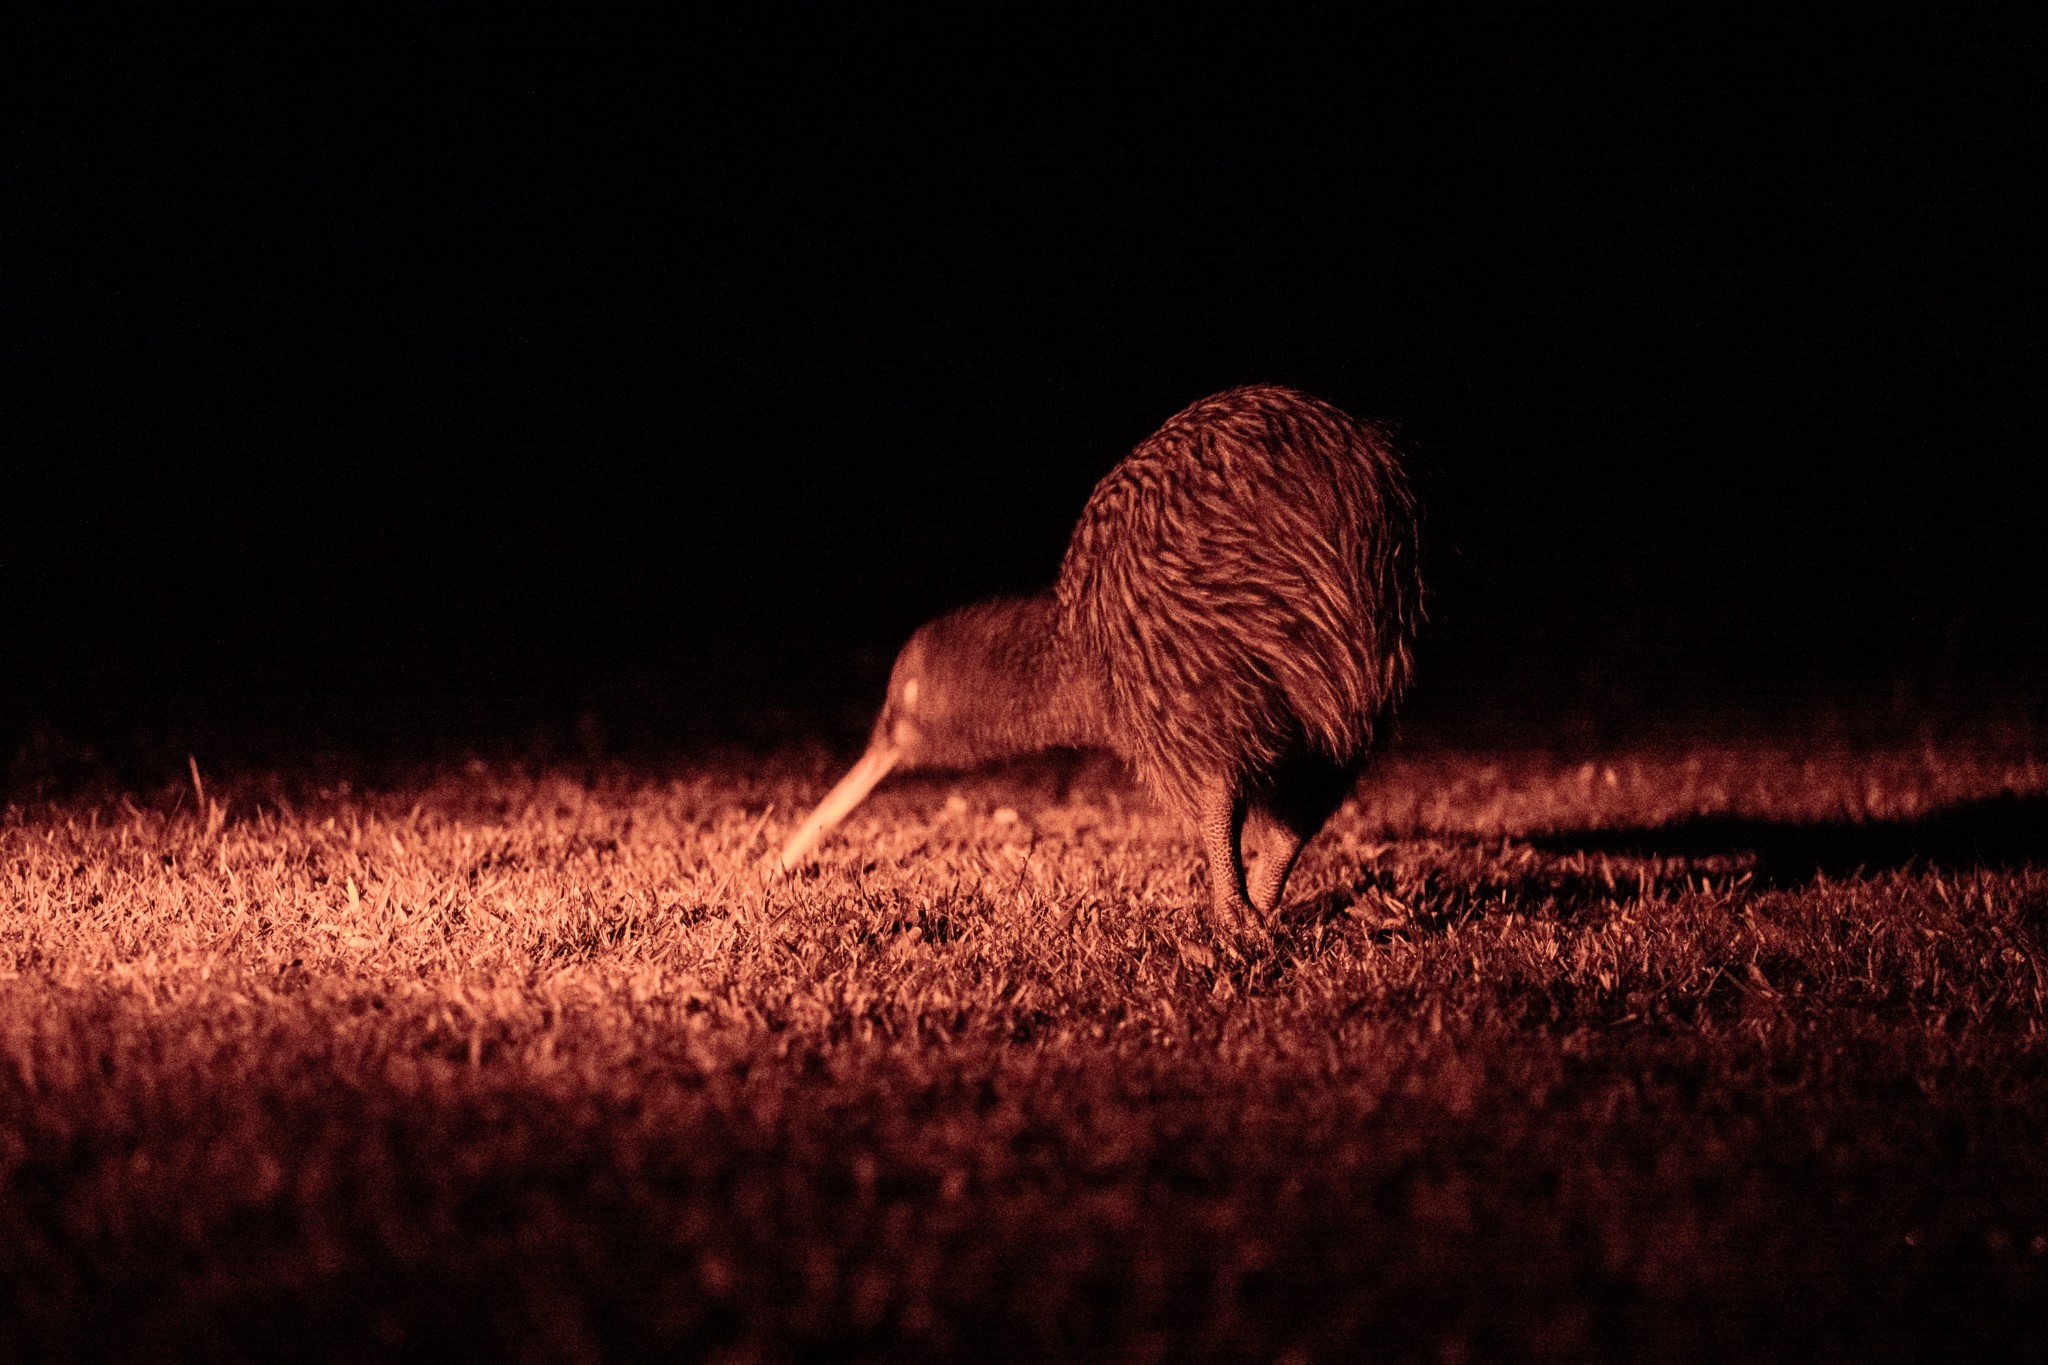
{"type": "Point", "coordinates": [1279, 845]}
{"type": "Point", "coordinates": [1221, 818]}
{"type": "Point", "coordinates": [1294, 801]}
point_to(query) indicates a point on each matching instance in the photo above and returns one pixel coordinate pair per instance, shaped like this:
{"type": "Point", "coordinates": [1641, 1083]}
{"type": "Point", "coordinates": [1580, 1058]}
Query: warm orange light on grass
{"type": "Point", "coordinates": [488, 1052]}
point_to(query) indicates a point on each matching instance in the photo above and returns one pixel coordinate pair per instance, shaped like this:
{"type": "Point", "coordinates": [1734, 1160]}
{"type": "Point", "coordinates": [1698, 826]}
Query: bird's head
{"type": "Point", "coordinates": [951, 687]}
{"type": "Point", "coordinates": [951, 694]}
{"type": "Point", "coordinates": [912, 708]}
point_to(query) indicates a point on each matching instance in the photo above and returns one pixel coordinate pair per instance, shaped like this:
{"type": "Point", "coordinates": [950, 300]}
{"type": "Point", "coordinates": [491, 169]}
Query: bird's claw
{"type": "Point", "coordinates": [1241, 933]}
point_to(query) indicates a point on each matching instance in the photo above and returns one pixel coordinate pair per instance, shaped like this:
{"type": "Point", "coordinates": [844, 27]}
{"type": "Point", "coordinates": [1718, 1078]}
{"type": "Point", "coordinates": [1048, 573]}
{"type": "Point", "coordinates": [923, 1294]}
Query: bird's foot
{"type": "Point", "coordinates": [1241, 931]}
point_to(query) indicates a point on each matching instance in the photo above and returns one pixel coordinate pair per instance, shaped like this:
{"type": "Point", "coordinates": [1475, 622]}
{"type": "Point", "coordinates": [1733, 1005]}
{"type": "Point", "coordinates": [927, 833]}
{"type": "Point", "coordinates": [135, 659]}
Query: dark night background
{"type": "Point", "coordinates": [457, 381]}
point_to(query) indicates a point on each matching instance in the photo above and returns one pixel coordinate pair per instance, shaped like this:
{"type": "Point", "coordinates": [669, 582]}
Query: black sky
{"type": "Point", "coordinates": [496, 368]}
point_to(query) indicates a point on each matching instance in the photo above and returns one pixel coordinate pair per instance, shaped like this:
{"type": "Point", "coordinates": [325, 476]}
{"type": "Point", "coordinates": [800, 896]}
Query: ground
{"type": "Point", "coordinates": [1672, 1050]}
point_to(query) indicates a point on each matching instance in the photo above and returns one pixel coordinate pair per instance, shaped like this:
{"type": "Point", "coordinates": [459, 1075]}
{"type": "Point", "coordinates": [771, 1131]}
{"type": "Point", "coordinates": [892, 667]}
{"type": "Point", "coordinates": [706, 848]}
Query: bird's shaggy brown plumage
{"type": "Point", "coordinates": [1235, 617]}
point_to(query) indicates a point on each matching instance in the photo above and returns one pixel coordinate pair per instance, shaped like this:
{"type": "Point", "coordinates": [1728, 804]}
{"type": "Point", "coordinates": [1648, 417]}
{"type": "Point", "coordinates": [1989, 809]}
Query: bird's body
{"type": "Point", "coordinates": [1234, 618]}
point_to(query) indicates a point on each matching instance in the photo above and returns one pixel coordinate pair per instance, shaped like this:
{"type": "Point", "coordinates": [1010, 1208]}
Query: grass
{"type": "Point", "coordinates": [1681, 1052]}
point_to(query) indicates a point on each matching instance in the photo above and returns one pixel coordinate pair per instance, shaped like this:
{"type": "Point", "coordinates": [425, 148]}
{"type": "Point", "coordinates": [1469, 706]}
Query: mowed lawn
{"type": "Point", "coordinates": [1710, 1052]}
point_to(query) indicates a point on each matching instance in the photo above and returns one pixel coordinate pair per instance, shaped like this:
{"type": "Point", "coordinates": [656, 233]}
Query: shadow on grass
{"type": "Point", "coordinates": [1589, 871]}
{"type": "Point", "coordinates": [1996, 833]}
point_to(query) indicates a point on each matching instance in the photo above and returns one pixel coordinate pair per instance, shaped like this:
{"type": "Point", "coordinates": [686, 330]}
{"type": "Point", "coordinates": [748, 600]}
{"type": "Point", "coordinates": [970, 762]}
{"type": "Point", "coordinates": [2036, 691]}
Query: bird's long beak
{"type": "Point", "coordinates": [853, 788]}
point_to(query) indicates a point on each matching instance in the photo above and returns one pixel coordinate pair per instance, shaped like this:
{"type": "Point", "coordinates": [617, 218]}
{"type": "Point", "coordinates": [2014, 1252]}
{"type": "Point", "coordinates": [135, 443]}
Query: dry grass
{"type": "Point", "coordinates": [1708, 1052]}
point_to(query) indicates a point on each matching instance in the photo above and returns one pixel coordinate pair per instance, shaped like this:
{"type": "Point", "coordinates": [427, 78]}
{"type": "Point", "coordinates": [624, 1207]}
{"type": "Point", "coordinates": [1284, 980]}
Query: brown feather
{"type": "Point", "coordinates": [1236, 611]}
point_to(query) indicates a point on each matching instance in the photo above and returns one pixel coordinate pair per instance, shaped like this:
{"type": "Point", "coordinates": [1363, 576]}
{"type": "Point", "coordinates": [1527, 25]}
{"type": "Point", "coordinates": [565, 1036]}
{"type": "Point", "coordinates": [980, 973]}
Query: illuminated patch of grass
{"type": "Point", "coordinates": [1701, 1051]}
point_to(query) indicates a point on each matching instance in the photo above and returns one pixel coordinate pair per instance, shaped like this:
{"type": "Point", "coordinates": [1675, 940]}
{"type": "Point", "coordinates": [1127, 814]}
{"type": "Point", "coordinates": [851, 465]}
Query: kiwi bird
{"type": "Point", "coordinates": [1234, 618]}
